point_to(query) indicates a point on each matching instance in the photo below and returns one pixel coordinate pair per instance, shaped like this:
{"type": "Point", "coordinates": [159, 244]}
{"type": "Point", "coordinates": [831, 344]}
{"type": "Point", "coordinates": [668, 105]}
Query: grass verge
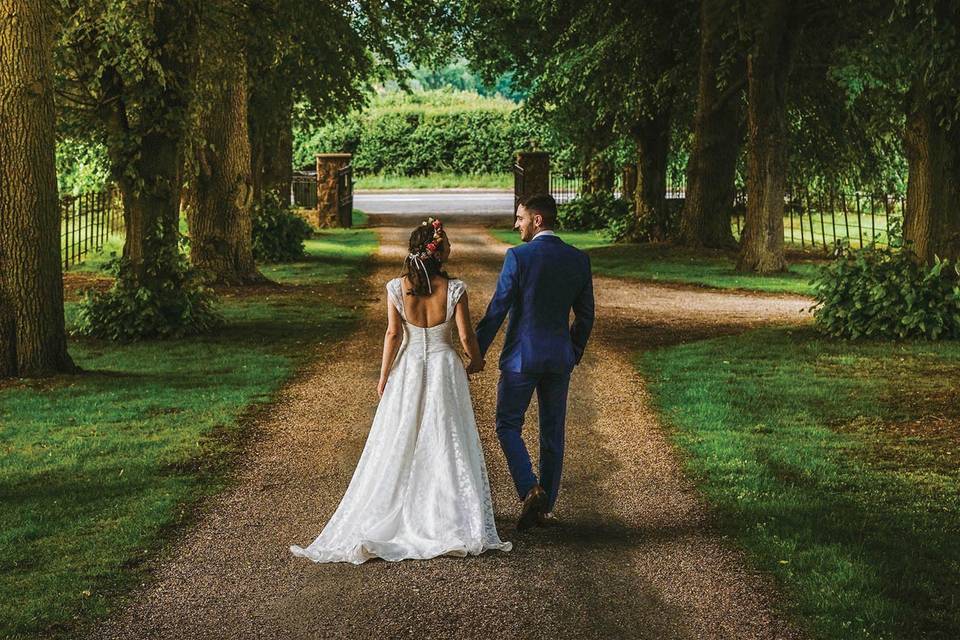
{"type": "Point", "coordinates": [99, 468]}
{"type": "Point", "coordinates": [437, 181]}
{"type": "Point", "coordinates": [664, 263]}
{"type": "Point", "coordinates": [834, 464]}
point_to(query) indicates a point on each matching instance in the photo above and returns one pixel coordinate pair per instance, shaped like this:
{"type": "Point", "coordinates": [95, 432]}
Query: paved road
{"type": "Point", "coordinates": [441, 202]}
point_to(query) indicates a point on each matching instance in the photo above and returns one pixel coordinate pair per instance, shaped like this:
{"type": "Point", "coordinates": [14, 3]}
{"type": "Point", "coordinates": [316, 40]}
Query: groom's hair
{"type": "Point", "coordinates": [545, 205]}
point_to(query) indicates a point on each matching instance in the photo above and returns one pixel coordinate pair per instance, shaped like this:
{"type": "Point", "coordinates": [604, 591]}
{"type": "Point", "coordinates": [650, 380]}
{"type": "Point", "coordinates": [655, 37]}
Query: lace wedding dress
{"type": "Point", "coordinates": [420, 489]}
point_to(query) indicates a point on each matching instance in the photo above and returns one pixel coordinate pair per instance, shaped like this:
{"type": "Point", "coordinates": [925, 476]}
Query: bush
{"type": "Point", "coordinates": [81, 167]}
{"type": "Point", "coordinates": [885, 293]}
{"type": "Point", "coordinates": [160, 306]}
{"type": "Point", "coordinates": [597, 211]}
{"type": "Point", "coordinates": [430, 132]}
{"type": "Point", "coordinates": [278, 233]}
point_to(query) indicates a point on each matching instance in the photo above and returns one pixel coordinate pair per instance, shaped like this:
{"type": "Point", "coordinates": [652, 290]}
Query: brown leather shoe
{"type": "Point", "coordinates": [533, 505]}
{"type": "Point", "coordinates": [547, 519]}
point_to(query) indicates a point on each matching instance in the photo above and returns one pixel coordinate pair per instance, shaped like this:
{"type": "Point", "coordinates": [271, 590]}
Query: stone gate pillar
{"type": "Point", "coordinates": [328, 194]}
{"type": "Point", "coordinates": [531, 175]}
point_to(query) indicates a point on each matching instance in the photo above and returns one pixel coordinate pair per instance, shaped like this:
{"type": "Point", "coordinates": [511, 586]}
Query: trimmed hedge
{"type": "Point", "coordinates": [438, 131]}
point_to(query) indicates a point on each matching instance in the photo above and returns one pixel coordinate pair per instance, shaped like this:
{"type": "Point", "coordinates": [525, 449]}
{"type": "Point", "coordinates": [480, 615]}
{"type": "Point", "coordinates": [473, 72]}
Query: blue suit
{"type": "Point", "coordinates": [540, 283]}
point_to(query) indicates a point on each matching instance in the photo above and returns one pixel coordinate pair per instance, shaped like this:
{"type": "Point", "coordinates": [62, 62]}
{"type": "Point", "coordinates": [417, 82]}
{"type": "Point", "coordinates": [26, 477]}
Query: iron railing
{"type": "Point", "coordinates": [303, 190]}
{"type": "Point", "coordinates": [345, 195]}
{"type": "Point", "coordinates": [817, 219]}
{"type": "Point", "coordinates": [87, 221]}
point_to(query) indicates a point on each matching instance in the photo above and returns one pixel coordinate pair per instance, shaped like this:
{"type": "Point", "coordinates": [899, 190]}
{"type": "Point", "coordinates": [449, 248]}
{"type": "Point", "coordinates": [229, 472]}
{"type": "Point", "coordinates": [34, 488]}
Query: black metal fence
{"type": "Point", "coordinates": [87, 221]}
{"type": "Point", "coordinates": [566, 187]}
{"type": "Point", "coordinates": [816, 219]}
{"type": "Point", "coordinates": [345, 195]}
{"type": "Point", "coordinates": [813, 219]}
{"type": "Point", "coordinates": [303, 190]}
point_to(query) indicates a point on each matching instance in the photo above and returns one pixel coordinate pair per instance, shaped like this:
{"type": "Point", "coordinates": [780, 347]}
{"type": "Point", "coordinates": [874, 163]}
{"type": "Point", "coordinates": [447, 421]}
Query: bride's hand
{"type": "Point", "coordinates": [475, 366]}
{"type": "Point", "coordinates": [381, 386]}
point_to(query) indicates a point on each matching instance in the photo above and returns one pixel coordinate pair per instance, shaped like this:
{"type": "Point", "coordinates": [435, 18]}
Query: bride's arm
{"type": "Point", "coordinates": [391, 344]}
{"type": "Point", "coordinates": [468, 338]}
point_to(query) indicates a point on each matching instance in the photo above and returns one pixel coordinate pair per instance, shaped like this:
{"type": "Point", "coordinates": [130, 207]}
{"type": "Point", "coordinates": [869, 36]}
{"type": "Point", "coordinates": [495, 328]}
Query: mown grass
{"type": "Point", "coordinates": [95, 261]}
{"type": "Point", "coordinates": [98, 468]}
{"type": "Point", "coordinates": [834, 464]}
{"type": "Point", "coordinates": [437, 181]}
{"type": "Point", "coordinates": [663, 263]}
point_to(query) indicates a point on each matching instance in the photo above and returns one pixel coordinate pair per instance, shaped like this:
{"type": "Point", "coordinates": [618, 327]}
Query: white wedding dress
{"type": "Point", "coordinates": [420, 489]}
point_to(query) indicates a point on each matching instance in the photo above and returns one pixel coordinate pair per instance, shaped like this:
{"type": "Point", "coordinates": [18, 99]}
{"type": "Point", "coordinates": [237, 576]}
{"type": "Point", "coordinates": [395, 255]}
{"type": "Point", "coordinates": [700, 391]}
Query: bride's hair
{"type": "Point", "coordinates": [423, 262]}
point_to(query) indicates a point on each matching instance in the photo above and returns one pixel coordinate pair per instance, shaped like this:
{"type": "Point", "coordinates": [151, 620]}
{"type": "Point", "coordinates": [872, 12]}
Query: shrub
{"type": "Point", "coordinates": [278, 233]}
{"type": "Point", "coordinates": [410, 135]}
{"type": "Point", "coordinates": [879, 292]}
{"type": "Point", "coordinates": [596, 211]}
{"type": "Point", "coordinates": [171, 305]}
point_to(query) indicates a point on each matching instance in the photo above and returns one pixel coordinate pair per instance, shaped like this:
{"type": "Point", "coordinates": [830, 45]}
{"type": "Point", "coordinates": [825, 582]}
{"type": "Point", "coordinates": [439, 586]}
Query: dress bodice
{"type": "Point", "coordinates": [426, 340]}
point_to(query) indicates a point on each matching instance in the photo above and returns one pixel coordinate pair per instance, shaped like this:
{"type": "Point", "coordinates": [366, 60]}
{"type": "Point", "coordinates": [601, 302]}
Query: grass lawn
{"type": "Point", "coordinates": [98, 469]}
{"type": "Point", "coordinates": [437, 181]}
{"type": "Point", "coordinates": [834, 464]}
{"type": "Point", "coordinates": [675, 264]}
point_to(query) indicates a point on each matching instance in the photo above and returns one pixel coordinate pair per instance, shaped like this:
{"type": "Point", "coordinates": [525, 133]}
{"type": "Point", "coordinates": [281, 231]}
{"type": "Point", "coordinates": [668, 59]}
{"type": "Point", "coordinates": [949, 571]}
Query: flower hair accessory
{"type": "Point", "coordinates": [434, 244]}
{"type": "Point", "coordinates": [430, 249]}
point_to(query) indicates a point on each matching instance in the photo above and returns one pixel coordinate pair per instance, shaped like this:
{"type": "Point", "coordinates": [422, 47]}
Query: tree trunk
{"type": "Point", "coordinates": [717, 133]}
{"type": "Point", "coordinates": [146, 157]}
{"type": "Point", "coordinates": [151, 212]}
{"type": "Point", "coordinates": [652, 137]}
{"type": "Point", "coordinates": [219, 215]}
{"type": "Point", "coordinates": [271, 144]}
{"type": "Point", "coordinates": [768, 68]}
{"type": "Point", "coordinates": [599, 176]}
{"type": "Point", "coordinates": [33, 338]}
{"type": "Point", "coordinates": [932, 216]}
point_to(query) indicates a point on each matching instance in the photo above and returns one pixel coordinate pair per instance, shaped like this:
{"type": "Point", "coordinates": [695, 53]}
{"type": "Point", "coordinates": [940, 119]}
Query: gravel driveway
{"type": "Point", "coordinates": [635, 555]}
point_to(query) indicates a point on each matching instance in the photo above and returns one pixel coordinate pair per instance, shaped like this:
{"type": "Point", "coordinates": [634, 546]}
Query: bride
{"type": "Point", "coordinates": [420, 489]}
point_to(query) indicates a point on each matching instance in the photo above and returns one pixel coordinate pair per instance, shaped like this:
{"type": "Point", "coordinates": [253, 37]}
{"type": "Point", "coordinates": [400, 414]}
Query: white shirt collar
{"type": "Point", "coordinates": [544, 232]}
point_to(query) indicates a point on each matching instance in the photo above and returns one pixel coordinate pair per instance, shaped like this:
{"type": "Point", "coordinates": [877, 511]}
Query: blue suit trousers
{"type": "Point", "coordinates": [514, 392]}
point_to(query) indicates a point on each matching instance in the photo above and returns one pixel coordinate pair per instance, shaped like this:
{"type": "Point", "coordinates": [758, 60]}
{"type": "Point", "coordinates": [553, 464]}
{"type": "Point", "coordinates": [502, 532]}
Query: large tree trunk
{"type": "Point", "coordinates": [146, 158]}
{"type": "Point", "coordinates": [768, 69]}
{"type": "Point", "coordinates": [220, 202]}
{"type": "Point", "coordinates": [932, 216]}
{"type": "Point", "coordinates": [652, 137]}
{"type": "Point", "coordinates": [151, 211]}
{"type": "Point", "coordinates": [271, 144]}
{"type": "Point", "coordinates": [32, 335]}
{"type": "Point", "coordinates": [717, 133]}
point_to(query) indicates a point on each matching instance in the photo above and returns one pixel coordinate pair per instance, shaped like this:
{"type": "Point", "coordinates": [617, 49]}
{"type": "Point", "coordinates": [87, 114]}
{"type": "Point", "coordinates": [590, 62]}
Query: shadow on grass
{"type": "Point", "coordinates": [784, 431]}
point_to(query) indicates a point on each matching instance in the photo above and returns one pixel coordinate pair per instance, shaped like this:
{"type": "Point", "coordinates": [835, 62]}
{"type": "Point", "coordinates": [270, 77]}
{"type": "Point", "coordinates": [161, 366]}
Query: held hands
{"type": "Point", "coordinates": [476, 366]}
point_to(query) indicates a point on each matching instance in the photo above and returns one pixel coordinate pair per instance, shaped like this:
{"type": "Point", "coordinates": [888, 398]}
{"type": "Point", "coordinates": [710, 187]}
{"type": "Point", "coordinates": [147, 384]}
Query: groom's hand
{"type": "Point", "coordinates": [475, 366]}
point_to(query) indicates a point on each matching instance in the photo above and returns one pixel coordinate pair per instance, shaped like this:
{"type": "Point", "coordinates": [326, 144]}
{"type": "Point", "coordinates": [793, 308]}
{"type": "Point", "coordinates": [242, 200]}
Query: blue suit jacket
{"type": "Point", "coordinates": [541, 281]}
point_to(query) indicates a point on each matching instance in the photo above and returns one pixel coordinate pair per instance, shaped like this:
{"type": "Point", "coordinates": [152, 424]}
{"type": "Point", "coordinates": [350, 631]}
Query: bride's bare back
{"type": "Point", "coordinates": [426, 311]}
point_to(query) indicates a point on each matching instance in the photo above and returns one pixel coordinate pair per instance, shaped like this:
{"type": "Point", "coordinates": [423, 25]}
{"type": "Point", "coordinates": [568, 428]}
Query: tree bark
{"type": "Point", "coordinates": [151, 211]}
{"type": "Point", "coordinates": [932, 215]}
{"type": "Point", "coordinates": [768, 69]}
{"type": "Point", "coordinates": [146, 156]}
{"type": "Point", "coordinates": [32, 334]}
{"type": "Point", "coordinates": [271, 144]}
{"type": "Point", "coordinates": [220, 202]}
{"type": "Point", "coordinates": [717, 135]}
{"type": "Point", "coordinates": [598, 176]}
{"type": "Point", "coordinates": [652, 137]}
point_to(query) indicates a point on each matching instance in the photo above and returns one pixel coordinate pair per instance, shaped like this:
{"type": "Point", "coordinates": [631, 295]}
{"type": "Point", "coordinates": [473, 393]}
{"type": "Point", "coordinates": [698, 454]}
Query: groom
{"type": "Point", "coordinates": [541, 281]}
